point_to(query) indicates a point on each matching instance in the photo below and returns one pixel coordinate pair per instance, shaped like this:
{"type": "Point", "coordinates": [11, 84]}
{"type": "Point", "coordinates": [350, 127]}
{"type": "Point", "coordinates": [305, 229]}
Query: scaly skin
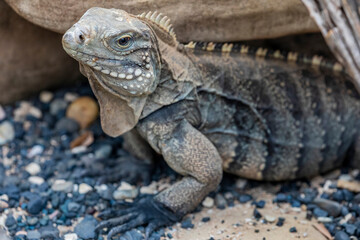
{"type": "Point", "coordinates": [211, 107]}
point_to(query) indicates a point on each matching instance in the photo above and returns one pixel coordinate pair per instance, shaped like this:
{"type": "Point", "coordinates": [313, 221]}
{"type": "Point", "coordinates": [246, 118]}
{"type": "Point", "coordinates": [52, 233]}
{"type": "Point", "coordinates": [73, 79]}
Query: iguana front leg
{"type": "Point", "coordinates": [189, 153]}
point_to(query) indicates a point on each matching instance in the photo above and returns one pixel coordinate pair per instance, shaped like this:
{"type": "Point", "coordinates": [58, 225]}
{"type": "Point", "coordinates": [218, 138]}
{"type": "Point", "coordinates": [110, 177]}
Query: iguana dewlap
{"type": "Point", "coordinates": [210, 107]}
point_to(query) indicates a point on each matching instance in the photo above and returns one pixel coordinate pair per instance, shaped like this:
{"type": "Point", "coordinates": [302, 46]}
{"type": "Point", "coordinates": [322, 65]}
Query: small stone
{"type": "Point", "coordinates": [208, 202]}
{"type": "Point", "coordinates": [350, 228]}
{"type": "Point", "coordinates": [32, 221]}
{"type": "Point", "coordinates": [46, 96]}
{"type": "Point", "coordinates": [36, 180]}
{"type": "Point", "coordinates": [270, 219]}
{"type": "Point", "coordinates": [244, 198]}
{"type": "Point", "coordinates": [260, 204]}
{"type": "Point", "coordinates": [205, 219]}
{"type": "Point", "coordinates": [61, 185]}
{"type": "Point", "coordinates": [25, 109]}
{"type": "Point", "coordinates": [86, 228]}
{"type": "Point", "coordinates": [331, 207]}
{"type": "Point", "coordinates": [186, 224]}
{"type": "Point", "coordinates": [280, 222]}
{"type": "Point", "coordinates": [353, 186]}
{"type": "Point", "coordinates": [49, 232]}
{"type": "Point", "coordinates": [57, 105]}
{"type": "Point", "coordinates": [103, 151]}
{"type": "Point", "coordinates": [33, 168]}
{"type": "Point", "coordinates": [35, 151]}
{"type": "Point", "coordinates": [33, 235]}
{"type": "Point", "coordinates": [293, 230]}
{"type": "Point", "coordinates": [220, 201]}
{"type": "Point", "coordinates": [318, 212]}
{"type": "Point", "coordinates": [340, 235]}
{"type": "Point", "coordinates": [70, 96]}
{"type": "Point", "coordinates": [241, 183]}
{"type": "Point", "coordinates": [134, 234]}
{"type": "Point", "coordinates": [2, 113]}
{"type": "Point", "coordinates": [257, 214]}
{"type": "Point", "coordinates": [150, 189]}
{"type": "Point", "coordinates": [36, 204]}
{"type": "Point", "coordinates": [324, 219]}
{"type": "Point", "coordinates": [125, 194]}
{"type": "Point", "coordinates": [7, 132]}
{"type": "Point", "coordinates": [67, 125]}
{"type": "Point", "coordinates": [84, 110]}
{"type": "Point", "coordinates": [10, 221]}
{"type": "Point", "coordinates": [84, 188]}
{"type": "Point", "coordinates": [71, 236]}
{"type": "Point", "coordinates": [73, 207]}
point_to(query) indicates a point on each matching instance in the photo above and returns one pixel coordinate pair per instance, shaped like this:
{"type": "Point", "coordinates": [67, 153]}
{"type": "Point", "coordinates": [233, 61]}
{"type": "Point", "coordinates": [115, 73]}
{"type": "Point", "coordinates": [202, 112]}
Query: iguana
{"type": "Point", "coordinates": [212, 107]}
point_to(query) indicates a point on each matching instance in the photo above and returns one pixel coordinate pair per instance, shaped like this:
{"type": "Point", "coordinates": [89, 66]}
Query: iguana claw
{"type": "Point", "coordinates": [145, 211]}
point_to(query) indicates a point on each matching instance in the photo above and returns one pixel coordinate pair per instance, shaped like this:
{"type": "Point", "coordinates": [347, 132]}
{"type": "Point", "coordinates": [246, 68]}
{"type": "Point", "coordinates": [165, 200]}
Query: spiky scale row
{"type": "Point", "coordinates": [160, 20]}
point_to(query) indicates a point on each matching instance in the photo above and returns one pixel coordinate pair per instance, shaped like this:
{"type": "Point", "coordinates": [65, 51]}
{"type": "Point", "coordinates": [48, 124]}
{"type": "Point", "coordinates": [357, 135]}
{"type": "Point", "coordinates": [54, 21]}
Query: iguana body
{"type": "Point", "coordinates": [211, 107]}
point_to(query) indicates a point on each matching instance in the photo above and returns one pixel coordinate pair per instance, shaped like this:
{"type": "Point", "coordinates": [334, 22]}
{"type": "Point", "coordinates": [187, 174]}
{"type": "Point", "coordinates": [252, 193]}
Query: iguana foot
{"type": "Point", "coordinates": [146, 211]}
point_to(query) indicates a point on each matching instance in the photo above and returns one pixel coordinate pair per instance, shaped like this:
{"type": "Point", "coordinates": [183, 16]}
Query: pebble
{"type": "Point", "coordinates": [270, 219]}
{"type": "Point", "coordinates": [86, 228]}
{"type": "Point", "coordinates": [331, 207]}
{"type": "Point", "coordinates": [220, 201]}
{"type": "Point", "coordinates": [84, 188]}
{"type": "Point", "coordinates": [46, 96]}
{"type": "Point", "coordinates": [33, 235]}
{"type": "Point", "coordinates": [293, 230]}
{"type": "Point", "coordinates": [49, 232]}
{"type": "Point", "coordinates": [208, 202]}
{"type": "Point", "coordinates": [2, 113]}
{"type": "Point", "coordinates": [324, 219]}
{"type": "Point", "coordinates": [61, 185]}
{"type": "Point", "coordinates": [84, 110]}
{"type": "Point", "coordinates": [205, 219]}
{"type": "Point", "coordinates": [10, 221]}
{"type": "Point", "coordinates": [186, 223]}
{"type": "Point", "coordinates": [280, 222]}
{"type": "Point", "coordinates": [340, 235]}
{"type": "Point", "coordinates": [57, 105]}
{"type": "Point", "coordinates": [318, 212]}
{"type": "Point", "coordinates": [71, 236]}
{"type": "Point", "coordinates": [36, 204]}
{"type": "Point", "coordinates": [36, 180]}
{"type": "Point", "coordinates": [25, 109]}
{"type": "Point", "coordinates": [150, 189]}
{"type": "Point", "coordinates": [7, 132]}
{"type": "Point", "coordinates": [67, 125]}
{"type": "Point", "coordinates": [244, 198]}
{"type": "Point", "coordinates": [103, 151]}
{"type": "Point", "coordinates": [134, 234]}
{"type": "Point", "coordinates": [35, 151]}
{"type": "Point", "coordinates": [353, 186]}
{"type": "Point", "coordinates": [33, 168]}
{"type": "Point", "coordinates": [125, 194]}
{"type": "Point", "coordinates": [70, 96]}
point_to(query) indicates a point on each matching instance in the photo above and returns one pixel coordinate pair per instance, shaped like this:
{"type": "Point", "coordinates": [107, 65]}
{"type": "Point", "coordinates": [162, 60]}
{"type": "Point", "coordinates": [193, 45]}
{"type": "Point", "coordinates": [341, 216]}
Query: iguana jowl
{"type": "Point", "coordinates": [211, 107]}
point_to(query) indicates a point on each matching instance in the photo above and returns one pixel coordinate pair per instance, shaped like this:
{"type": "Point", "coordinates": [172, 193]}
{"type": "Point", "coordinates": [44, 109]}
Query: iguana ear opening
{"type": "Point", "coordinates": [118, 115]}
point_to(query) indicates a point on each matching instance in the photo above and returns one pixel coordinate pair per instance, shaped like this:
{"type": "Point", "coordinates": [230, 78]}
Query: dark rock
{"type": "Point", "coordinates": [132, 235]}
{"type": "Point", "coordinates": [280, 198]}
{"type": "Point", "coordinates": [356, 199]}
{"type": "Point", "coordinates": [350, 228]}
{"type": "Point", "coordinates": [67, 125]}
{"type": "Point", "coordinates": [32, 221]}
{"type": "Point", "coordinates": [10, 221]}
{"type": "Point", "coordinates": [205, 219]}
{"type": "Point", "coordinates": [293, 230]}
{"type": "Point", "coordinates": [36, 204]}
{"type": "Point", "coordinates": [244, 198]}
{"type": "Point", "coordinates": [331, 207]}
{"type": "Point", "coordinates": [73, 207]}
{"type": "Point", "coordinates": [257, 214]}
{"type": "Point", "coordinates": [348, 196]}
{"type": "Point", "coordinates": [338, 196]}
{"type": "Point", "coordinates": [49, 232]}
{"type": "Point", "coordinates": [220, 201]}
{"type": "Point", "coordinates": [340, 235]}
{"type": "Point", "coordinates": [260, 204]}
{"type": "Point", "coordinates": [86, 228]}
{"type": "Point", "coordinates": [280, 222]}
{"type": "Point", "coordinates": [187, 223]}
{"type": "Point", "coordinates": [318, 212]}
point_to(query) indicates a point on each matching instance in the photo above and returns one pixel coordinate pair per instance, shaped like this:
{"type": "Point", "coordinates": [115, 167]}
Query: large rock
{"type": "Point", "coordinates": [31, 58]}
{"type": "Point", "coordinates": [194, 20]}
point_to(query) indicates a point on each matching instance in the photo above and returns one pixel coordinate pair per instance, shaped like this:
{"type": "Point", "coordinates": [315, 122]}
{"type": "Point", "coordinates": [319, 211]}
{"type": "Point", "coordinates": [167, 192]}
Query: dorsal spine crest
{"type": "Point", "coordinates": [160, 20]}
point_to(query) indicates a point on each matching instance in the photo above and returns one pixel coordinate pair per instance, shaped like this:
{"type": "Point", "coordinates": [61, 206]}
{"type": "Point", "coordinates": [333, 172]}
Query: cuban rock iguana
{"type": "Point", "coordinates": [212, 107]}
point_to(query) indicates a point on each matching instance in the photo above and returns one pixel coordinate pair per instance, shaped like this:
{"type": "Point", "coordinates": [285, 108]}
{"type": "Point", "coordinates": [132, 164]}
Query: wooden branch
{"type": "Point", "coordinates": [339, 23]}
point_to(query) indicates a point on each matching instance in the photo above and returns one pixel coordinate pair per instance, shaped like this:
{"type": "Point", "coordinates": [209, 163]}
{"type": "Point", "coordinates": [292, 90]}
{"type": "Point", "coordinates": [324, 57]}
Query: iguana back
{"type": "Point", "coordinates": [275, 119]}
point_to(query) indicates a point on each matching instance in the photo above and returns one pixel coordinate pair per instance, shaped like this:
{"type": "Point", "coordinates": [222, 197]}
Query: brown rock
{"type": "Point", "coordinates": [31, 58]}
{"type": "Point", "coordinates": [353, 186]}
{"type": "Point", "coordinates": [84, 110]}
{"type": "Point", "coordinates": [192, 19]}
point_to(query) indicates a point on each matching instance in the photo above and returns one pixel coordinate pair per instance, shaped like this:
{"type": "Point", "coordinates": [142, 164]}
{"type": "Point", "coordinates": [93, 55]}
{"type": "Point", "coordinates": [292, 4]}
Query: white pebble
{"type": "Point", "coordinates": [7, 132]}
{"type": "Point", "coordinates": [208, 202]}
{"type": "Point", "coordinates": [36, 180]}
{"type": "Point", "coordinates": [138, 72]}
{"type": "Point", "coordinates": [35, 151]}
{"type": "Point", "coordinates": [33, 168]}
{"type": "Point", "coordinates": [46, 96]}
{"type": "Point", "coordinates": [84, 188]}
{"type": "Point", "coordinates": [70, 236]}
{"type": "Point", "coordinates": [2, 113]}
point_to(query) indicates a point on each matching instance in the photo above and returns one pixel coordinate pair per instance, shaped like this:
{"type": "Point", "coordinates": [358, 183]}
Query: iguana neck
{"type": "Point", "coordinates": [178, 79]}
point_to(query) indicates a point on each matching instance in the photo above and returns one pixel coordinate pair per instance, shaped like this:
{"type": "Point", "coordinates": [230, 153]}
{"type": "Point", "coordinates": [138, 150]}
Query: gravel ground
{"type": "Point", "coordinates": [56, 169]}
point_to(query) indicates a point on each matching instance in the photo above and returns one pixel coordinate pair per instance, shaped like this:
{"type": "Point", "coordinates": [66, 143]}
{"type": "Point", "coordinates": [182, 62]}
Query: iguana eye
{"type": "Point", "coordinates": [124, 41]}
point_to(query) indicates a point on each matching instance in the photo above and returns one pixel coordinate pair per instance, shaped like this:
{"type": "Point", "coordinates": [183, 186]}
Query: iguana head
{"type": "Point", "coordinates": [120, 55]}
